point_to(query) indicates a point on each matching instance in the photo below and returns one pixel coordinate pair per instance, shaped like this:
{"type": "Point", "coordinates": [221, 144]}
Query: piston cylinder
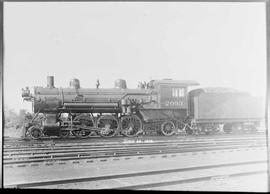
{"type": "Point", "coordinates": [50, 122]}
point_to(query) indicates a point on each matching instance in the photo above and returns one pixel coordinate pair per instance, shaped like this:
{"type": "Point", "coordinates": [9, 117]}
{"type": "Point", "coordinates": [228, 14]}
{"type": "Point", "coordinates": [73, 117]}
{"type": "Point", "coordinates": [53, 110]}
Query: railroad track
{"type": "Point", "coordinates": [18, 142]}
{"type": "Point", "coordinates": [51, 152]}
{"type": "Point", "coordinates": [149, 180]}
{"type": "Point", "coordinates": [143, 163]}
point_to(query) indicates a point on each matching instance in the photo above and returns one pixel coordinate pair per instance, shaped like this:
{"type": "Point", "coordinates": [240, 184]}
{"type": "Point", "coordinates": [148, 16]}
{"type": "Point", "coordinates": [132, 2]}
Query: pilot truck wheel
{"type": "Point", "coordinates": [35, 132]}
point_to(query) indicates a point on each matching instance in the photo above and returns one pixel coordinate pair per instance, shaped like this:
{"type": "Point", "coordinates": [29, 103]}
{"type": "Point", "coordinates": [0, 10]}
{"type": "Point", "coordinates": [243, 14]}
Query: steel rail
{"type": "Point", "coordinates": [86, 151]}
{"type": "Point", "coordinates": [38, 152]}
{"type": "Point", "coordinates": [79, 156]}
{"type": "Point", "coordinates": [51, 144]}
{"type": "Point", "coordinates": [191, 180]}
{"type": "Point", "coordinates": [138, 174]}
{"type": "Point", "coordinates": [54, 152]}
{"type": "Point", "coordinates": [53, 148]}
{"type": "Point", "coordinates": [57, 139]}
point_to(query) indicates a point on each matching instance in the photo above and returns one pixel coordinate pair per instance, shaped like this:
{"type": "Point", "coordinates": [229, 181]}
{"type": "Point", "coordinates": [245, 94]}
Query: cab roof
{"type": "Point", "coordinates": [178, 82]}
{"type": "Point", "coordinates": [215, 90]}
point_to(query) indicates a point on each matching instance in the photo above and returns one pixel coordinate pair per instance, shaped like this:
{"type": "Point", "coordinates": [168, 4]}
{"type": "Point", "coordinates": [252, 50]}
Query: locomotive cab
{"type": "Point", "coordinates": [172, 102]}
{"type": "Point", "coordinates": [173, 93]}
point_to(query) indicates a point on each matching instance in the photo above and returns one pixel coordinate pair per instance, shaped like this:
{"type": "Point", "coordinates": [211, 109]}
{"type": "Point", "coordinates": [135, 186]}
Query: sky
{"type": "Point", "coordinates": [215, 44]}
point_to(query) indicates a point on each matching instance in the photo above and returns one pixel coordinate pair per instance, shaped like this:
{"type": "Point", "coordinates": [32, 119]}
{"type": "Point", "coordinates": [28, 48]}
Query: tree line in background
{"type": "Point", "coordinates": [12, 119]}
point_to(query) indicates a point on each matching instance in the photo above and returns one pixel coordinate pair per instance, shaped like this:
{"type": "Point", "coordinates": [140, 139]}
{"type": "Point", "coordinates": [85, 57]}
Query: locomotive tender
{"type": "Point", "coordinates": [161, 106]}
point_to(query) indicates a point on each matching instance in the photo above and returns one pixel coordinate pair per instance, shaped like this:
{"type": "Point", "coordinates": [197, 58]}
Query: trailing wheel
{"type": "Point", "coordinates": [168, 128]}
{"type": "Point", "coordinates": [82, 123]}
{"type": "Point", "coordinates": [131, 125]}
{"type": "Point", "coordinates": [35, 132]}
{"type": "Point", "coordinates": [108, 125]}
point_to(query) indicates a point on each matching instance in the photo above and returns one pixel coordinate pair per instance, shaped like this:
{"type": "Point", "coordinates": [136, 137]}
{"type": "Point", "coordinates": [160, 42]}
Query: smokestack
{"type": "Point", "coordinates": [50, 82]}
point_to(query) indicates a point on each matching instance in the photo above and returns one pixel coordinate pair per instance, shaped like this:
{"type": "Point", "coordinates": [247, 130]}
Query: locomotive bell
{"type": "Point", "coordinates": [74, 83]}
{"type": "Point", "coordinates": [120, 84]}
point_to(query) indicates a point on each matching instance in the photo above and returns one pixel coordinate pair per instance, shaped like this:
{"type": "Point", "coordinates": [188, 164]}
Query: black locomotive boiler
{"type": "Point", "coordinates": [160, 106]}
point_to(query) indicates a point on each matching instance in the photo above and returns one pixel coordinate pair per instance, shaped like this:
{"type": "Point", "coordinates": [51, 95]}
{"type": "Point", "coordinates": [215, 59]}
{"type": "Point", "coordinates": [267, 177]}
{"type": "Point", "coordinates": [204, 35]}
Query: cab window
{"type": "Point", "coordinates": [178, 92]}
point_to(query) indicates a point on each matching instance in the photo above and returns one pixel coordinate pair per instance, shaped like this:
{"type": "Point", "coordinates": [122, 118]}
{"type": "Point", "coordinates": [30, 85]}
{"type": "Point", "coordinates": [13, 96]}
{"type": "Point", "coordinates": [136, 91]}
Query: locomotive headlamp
{"type": "Point", "coordinates": [26, 94]}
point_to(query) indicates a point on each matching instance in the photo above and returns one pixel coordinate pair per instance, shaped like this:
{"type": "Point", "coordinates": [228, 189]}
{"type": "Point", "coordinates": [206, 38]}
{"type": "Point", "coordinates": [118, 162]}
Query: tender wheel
{"type": "Point", "coordinates": [82, 124]}
{"type": "Point", "coordinates": [131, 125]}
{"type": "Point", "coordinates": [227, 128]}
{"type": "Point", "coordinates": [208, 132]}
{"type": "Point", "coordinates": [206, 129]}
{"type": "Point", "coordinates": [253, 129]}
{"type": "Point", "coordinates": [35, 132]}
{"type": "Point", "coordinates": [168, 128]}
{"type": "Point", "coordinates": [108, 125]}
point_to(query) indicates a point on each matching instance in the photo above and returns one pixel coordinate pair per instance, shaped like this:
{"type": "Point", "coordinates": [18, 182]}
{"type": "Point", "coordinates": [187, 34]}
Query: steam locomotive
{"type": "Point", "coordinates": [160, 106]}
